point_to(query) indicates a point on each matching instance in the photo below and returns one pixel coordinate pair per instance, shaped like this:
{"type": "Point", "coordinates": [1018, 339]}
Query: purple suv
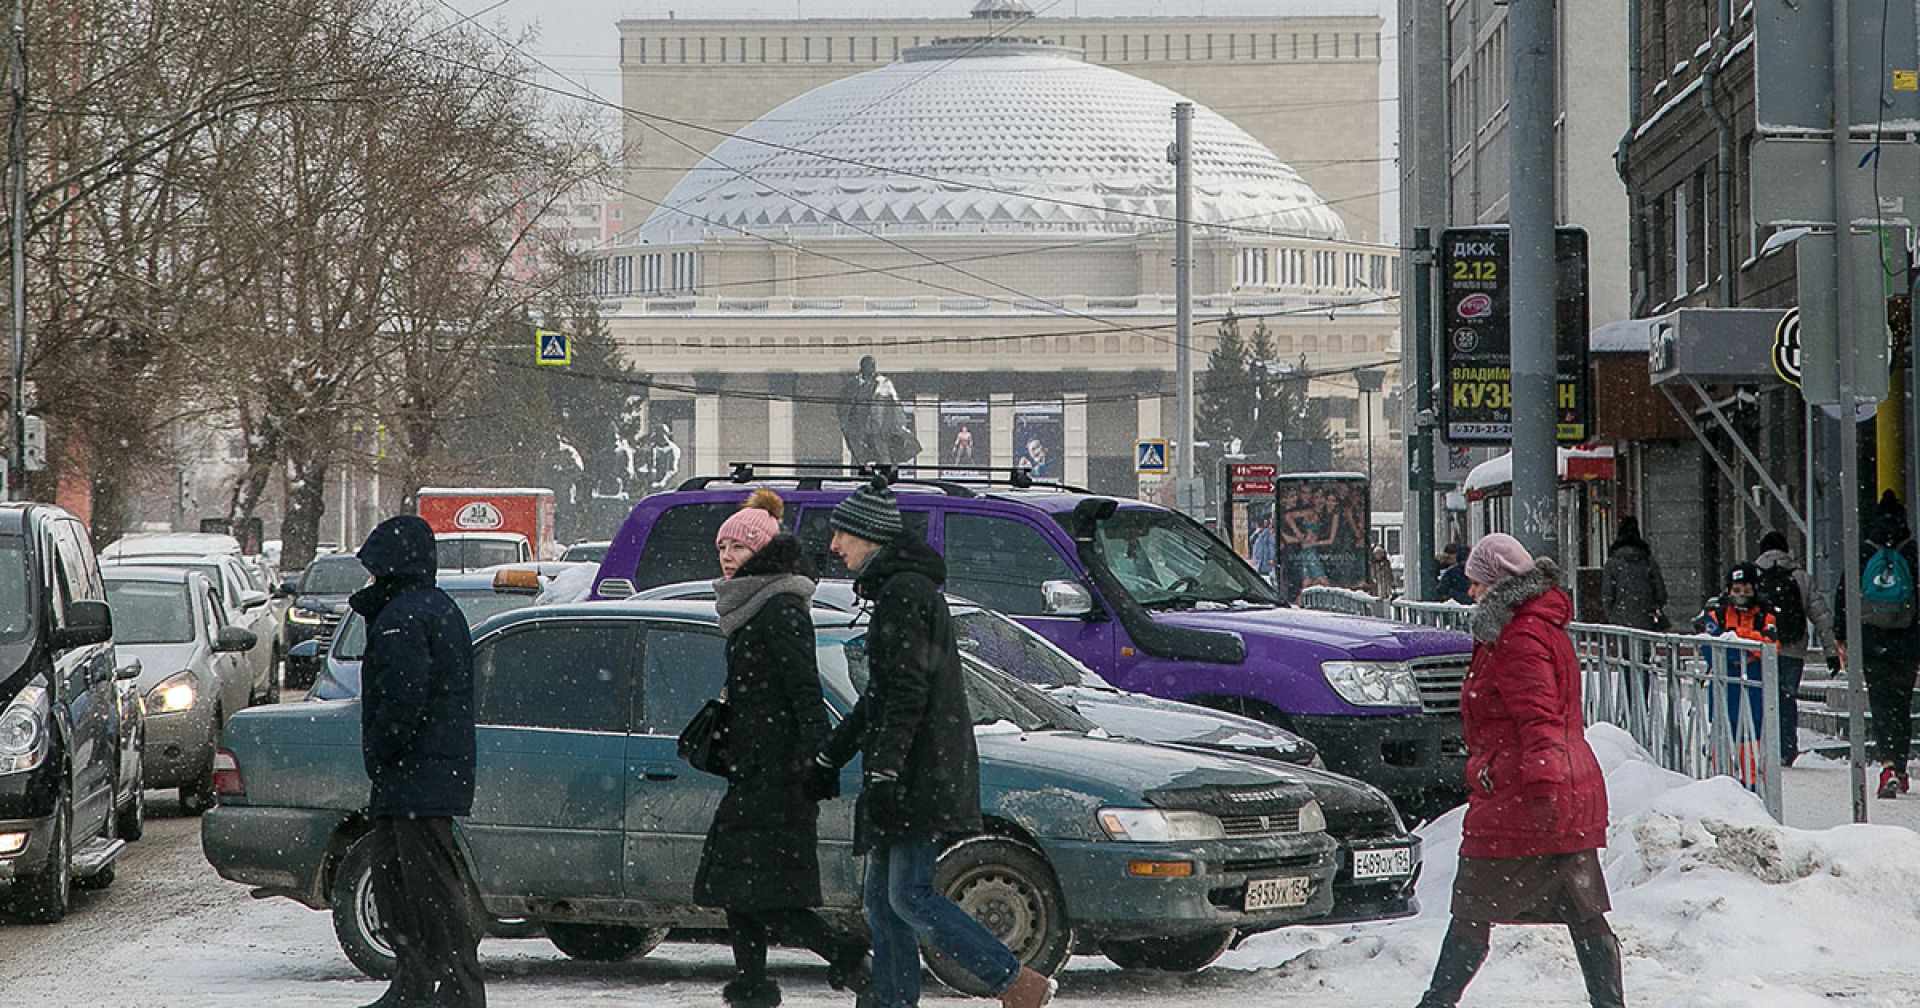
{"type": "Point", "coordinates": [1142, 594]}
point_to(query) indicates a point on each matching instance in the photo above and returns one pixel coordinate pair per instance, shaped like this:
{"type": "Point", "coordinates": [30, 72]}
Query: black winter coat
{"type": "Point", "coordinates": [1884, 646]}
{"type": "Point", "coordinates": [416, 704]}
{"type": "Point", "coordinates": [913, 720]}
{"type": "Point", "coordinates": [761, 851]}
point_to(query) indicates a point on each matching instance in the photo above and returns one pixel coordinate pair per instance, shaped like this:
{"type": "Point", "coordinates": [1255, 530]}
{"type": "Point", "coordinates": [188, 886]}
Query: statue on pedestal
{"type": "Point", "coordinates": [878, 429]}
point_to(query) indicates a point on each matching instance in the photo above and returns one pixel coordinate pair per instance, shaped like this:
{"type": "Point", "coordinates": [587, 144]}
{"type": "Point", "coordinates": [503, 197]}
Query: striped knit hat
{"type": "Point", "coordinates": [870, 513]}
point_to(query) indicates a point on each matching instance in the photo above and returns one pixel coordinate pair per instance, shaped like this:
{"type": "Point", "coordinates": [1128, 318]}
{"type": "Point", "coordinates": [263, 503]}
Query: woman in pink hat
{"type": "Point", "coordinates": [760, 863]}
{"type": "Point", "coordinates": [1537, 802]}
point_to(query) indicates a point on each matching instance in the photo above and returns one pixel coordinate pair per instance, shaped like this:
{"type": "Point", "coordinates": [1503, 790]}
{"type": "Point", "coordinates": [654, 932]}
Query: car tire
{"type": "Point", "coordinates": [196, 796]}
{"type": "Point", "coordinates": [1184, 954]}
{"type": "Point", "coordinates": [356, 920]}
{"type": "Point", "coordinates": [603, 942]}
{"type": "Point", "coordinates": [98, 880]}
{"type": "Point", "coordinates": [1007, 886]}
{"type": "Point", "coordinates": [43, 897]}
{"type": "Point", "coordinates": [273, 681]}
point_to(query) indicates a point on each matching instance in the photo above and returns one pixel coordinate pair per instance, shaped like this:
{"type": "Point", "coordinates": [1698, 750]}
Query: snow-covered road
{"type": "Point", "coordinates": [1717, 907]}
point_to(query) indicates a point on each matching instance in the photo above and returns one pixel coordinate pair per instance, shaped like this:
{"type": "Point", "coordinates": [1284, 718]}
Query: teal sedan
{"type": "Point", "coordinates": [588, 824]}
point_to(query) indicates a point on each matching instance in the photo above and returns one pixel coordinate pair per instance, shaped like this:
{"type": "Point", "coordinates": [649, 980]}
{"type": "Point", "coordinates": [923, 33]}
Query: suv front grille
{"type": "Point", "coordinates": [1274, 824]}
{"type": "Point", "coordinates": [329, 625]}
{"type": "Point", "coordinates": [1440, 680]}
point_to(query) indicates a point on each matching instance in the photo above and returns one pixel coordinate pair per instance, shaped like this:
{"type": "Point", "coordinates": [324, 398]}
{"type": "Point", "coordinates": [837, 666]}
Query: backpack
{"type": "Point", "coordinates": [1886, 591]}
{"type": "Point", "coordinates": [1777, 590]}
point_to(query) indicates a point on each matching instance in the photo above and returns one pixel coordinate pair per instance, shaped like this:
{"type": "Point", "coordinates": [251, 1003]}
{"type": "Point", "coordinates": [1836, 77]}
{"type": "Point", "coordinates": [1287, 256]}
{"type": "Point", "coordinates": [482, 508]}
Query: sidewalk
{"type": "Point", "coordinates": [1815, 796]}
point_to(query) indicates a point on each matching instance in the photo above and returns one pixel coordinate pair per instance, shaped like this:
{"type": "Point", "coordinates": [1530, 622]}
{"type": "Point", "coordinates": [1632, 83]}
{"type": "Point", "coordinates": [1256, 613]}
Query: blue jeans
{"type": "Point", "coordinates": [902, 906]}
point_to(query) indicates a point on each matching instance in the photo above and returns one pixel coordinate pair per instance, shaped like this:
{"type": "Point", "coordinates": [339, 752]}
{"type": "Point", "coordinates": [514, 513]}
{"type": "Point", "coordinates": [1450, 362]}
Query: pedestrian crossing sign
{"type": "Point", "coordinates": [1150, 458]}
{"type": "Point", "coordinates": [550, 347]}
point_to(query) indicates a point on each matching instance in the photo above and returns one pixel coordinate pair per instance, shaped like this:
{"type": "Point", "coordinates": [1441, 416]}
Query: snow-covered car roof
{"type": "Point", "coordinates": [171, 544]}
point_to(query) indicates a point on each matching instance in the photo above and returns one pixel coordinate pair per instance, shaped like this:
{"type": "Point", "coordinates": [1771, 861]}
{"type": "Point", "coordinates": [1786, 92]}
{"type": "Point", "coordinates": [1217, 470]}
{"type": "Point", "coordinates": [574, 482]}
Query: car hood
{"type": "Point", "coordinates": [1355, 810]}
{"type": "Point", "coordinates": [1361, 637]}
{"type": "Point", "coordinates": [1104, 770]}
{"type": "Point", "coordinates": [15, 672]}
{"type": "Point", "coordinates": [1140, 716]}
{"type": "Point", "coordinates": [159, 661]}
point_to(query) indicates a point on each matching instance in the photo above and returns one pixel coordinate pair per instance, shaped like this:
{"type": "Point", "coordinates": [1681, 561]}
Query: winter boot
{"type": "Point", "coordinates": [1599, 957]}
{"type": "Point", "coordinates": [1460, 959]}
{"type": "Point", "coordinates": [1889, 783]}
{"type": "Point", "coordinates": [851, 970]}
{"type": "Point", "coordinates": [745, 992]}
{"type": "Point", "coordinates": [1029, 990]}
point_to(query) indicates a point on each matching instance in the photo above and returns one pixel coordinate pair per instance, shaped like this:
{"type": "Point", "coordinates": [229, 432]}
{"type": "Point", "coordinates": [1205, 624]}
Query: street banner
{"type": "Point", "coordinates": [1039, 438]}
{"type": "Point", "coordinates": [966, 439]}
{"type": "Point", "coordinates": [1476, 372]}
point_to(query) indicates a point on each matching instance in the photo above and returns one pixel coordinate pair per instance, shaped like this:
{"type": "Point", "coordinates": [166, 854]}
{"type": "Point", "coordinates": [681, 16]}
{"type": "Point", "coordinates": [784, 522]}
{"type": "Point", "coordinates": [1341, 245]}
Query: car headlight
{"type": "Point", "coordinates": [305, 617]}
{"type": "Point", "coordinates": [173, 695]}
{"type": "Point", "coordinates": [1156, 826]}
{"type": "Point", "coordinates": [1373, 684]}
{"type": "Point", "coordinates": [23, 731]}
{"type": "Point", "coordinates": [1313, 819]}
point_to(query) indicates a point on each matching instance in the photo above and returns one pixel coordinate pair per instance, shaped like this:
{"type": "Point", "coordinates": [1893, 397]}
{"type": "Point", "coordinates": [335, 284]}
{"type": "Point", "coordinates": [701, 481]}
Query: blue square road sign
{"type": "Point", "coordinates": [552, 348]}
{"type": "Point", "coordinates": [1150, 458]}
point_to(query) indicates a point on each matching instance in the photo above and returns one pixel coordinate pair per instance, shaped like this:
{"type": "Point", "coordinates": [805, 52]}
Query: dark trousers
{"type": "Point", "coordinates": [750, 932]}
{"type": "Point", "coordinates": [1890, 698]}
{"type": "Point", "coordinates": [431, 913]}
{"type": "Point", "coordinates": [1791, 670]}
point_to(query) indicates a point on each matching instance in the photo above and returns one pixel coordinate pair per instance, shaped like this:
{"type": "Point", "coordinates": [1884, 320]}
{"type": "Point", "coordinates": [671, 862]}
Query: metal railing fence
{"type": "Point", "coordinates": [1701, 706]}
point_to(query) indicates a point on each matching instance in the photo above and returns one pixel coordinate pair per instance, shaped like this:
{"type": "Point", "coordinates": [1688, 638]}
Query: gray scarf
{"type": "Point", "coordinates": [739, 599]}
{"type": "Point", "coordinates": [1497, 605]}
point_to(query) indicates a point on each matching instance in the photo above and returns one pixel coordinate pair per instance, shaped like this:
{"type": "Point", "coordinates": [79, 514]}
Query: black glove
{"type": "Point", "coordinates": [886, 802]}
{"type": "Point", "coordinates": [1833, 665]}
{"type": "Point", "coordinates": [820, 780]}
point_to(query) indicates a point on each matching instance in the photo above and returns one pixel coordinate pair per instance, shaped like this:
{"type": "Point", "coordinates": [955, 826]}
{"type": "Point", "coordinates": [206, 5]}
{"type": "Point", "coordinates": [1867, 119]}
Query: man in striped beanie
{"type": "Point", "coordinates": [921, 771]}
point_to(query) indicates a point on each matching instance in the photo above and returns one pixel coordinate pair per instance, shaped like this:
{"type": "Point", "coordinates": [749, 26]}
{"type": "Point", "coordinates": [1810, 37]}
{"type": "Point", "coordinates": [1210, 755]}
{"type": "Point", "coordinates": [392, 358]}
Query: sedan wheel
{"type": "Point", "coordinates": [356, 915]}
{"type": "Point", "coordinates": [1008, 887]}
{"type": "Point", "coordinates": [1174, 955]}
{"type": "Point", "coordinates": [603, 942]}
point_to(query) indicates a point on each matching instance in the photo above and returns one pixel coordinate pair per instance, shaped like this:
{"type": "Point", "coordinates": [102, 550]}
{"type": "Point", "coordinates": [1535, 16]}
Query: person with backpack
{"type": "Point", "coordinates": [1632, 588]}
{"type": "Point", "coordinates": [1800, 614]}
{"type": "Point", "coordinates": [1890, 637]}
{"type": "Point", "coordinates": [1738, 611]}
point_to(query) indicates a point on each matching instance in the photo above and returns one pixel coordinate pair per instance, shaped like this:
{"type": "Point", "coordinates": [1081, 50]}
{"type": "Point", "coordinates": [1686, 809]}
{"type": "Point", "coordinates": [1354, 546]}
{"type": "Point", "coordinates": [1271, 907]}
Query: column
{"type": "Point", "coordinates": [1075, 438]}
{"type": "Point", "coordinates": [926, 426]}
{"type": "Point", "coordinates": [1150, 407]}
{"type": "Point", "coordinates": [780, 389]}
{"type": "Point", "coordinates": [706, 424]}
{"type": "Point", "coordinates": [1000, 420]}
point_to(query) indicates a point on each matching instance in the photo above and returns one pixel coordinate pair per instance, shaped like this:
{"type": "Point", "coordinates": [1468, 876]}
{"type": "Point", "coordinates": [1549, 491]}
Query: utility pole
{"type": "Point", "coordinates": [1182, 157]}
{"type": "Point", "coordinates": [1532, 212]}
{"type": "Point", "coordinates": [1845, 325]}
{"type": "Point", "coordinates": [17, 183]}
{"type": "Point", "coordinates": [1424, 195]}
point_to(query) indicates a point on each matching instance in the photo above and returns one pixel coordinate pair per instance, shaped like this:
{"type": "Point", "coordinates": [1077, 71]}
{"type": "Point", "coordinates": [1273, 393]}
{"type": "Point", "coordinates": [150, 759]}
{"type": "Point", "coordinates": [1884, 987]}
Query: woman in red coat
{"type": "Point", "coordinates": [1537, 808]}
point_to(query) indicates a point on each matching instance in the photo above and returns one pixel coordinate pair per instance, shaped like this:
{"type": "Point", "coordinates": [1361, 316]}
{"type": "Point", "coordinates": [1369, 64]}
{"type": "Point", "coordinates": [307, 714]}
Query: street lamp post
{"type": "Point", "coordinates": [1369, 381]}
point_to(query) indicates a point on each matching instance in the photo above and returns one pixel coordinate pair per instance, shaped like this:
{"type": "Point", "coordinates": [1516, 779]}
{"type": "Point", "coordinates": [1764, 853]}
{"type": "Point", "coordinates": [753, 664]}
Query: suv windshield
{"type": "Point", "coordinates": [1163, 558]}
{"type": "Point", "coordinates": [334, 576]}
{"type": "Point", "coordinates": [150, 612]}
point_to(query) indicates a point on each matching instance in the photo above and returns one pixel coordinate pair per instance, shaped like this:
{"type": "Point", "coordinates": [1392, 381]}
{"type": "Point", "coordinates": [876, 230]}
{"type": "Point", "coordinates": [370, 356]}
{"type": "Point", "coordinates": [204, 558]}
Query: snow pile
{"type": "Point", "coordinates": [1714, 902]}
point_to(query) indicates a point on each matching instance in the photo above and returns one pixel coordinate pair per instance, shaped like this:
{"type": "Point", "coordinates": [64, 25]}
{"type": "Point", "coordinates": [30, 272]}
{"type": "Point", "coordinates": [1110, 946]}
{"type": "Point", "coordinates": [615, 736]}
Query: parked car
{"type": "Point", "coordinates": [457, 552]}
{"type": "Point", "coordinates": [1141, 594]}
{"type": "Point", "coordinates": [1379, 859]}
{"type": "Point", "coordinates": [587, 821]}
{"type": "Point", "coordinates": [64, 790]}
{"type": "Point", "coordinates": [194, 672]}
{"type": "Point", "coordinates": [319, 604]}
{"type": "Point", "coordinates": [244, 607]}
{"type": "Point", "coordinates": [479, 595]}
{"type": "Point", "coordinates": [586, 552]}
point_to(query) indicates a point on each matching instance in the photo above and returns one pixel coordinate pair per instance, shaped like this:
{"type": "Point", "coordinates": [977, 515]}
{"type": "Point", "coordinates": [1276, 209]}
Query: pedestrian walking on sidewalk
{"type": "Point", "coordinates": [1890, 637]}
{"type": "Point", "coordinates": [1633, 590]}
{"type": "Point", "coordinates": [1454, 586]}
{"type": "Point", "coordinates": [1737, 611]}
{"type": "Point", "coordinates": [416, 733]}
{"type": "Point", "coordinates": [1537, 802]}
{"type": "Point", "coordinates": [921, 775]}
{"type": "Point", "coordinates": [1803, 618]}
{"type": "Point", "coordinates": [761, 861]}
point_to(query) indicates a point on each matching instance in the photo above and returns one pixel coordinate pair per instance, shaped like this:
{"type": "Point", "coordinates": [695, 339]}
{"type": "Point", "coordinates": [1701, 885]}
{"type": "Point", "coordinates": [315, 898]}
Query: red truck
{"type": "Point", "coordinates": [472, 516]}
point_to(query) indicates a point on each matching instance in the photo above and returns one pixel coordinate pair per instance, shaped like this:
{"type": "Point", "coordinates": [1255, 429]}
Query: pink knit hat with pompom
{"type": "Point", "coordinates": [757, 521]}
{"type": "Point", "coordinates": [1497, 557]}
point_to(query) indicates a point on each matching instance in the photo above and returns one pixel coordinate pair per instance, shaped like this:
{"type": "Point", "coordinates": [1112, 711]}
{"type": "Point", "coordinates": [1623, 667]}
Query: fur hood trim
{"type": "Point", "coordinates": [1504, 598]}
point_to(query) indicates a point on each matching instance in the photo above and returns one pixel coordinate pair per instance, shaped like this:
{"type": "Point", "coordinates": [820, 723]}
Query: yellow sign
{"type": "Point", "coordinates": [1906, 80]}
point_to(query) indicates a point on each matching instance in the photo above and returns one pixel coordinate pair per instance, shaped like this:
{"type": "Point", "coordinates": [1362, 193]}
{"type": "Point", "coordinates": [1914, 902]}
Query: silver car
{"type": "Point", "coordinates": [241, 605]}
{"type": "Point", "coordinates": [193, 671]}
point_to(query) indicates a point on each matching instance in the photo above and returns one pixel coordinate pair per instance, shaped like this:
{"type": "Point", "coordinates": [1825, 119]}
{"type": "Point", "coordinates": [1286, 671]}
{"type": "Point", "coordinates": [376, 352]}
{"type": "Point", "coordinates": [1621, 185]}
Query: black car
{"type": "Point", "coordinates": [319, 604]}
{"type": "Point", "coordinates": [69, 792]}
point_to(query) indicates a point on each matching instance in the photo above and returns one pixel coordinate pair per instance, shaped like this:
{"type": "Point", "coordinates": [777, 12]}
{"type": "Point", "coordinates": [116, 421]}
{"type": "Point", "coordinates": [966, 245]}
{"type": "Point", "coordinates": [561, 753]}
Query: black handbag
{"type": "Point", "coordinates": [703, 741]}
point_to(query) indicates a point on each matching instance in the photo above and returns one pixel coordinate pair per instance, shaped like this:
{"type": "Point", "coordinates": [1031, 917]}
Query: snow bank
{"type": "Point", "coordinates": [1716, 904]}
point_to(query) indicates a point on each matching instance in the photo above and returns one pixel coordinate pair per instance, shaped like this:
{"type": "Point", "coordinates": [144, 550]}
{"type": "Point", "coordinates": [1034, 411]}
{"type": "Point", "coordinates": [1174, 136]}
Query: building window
{"type": "Point", "coordinates": [1680, 242]}
{"type": "Point", "coordinates": [1704, 222]}
{"type": "Point", "coordinates": [683, 50]}
{"type": "Point", "coordinates": [1189, 44]}
{"type": "Point", "coordinates": [806, 49]}
{"type": "Point", "coordinates": [1753, 220]}
{"type": "Point", "coordinates": [1209, 45]}
{"type": "Point", "coordinates": [703, 49]}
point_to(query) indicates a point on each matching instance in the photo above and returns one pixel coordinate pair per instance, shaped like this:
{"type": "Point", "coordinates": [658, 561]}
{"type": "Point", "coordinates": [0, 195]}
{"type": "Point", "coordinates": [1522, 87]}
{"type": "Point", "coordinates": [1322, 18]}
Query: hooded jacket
{"type": "Point", "coordinates": [1534, 786]}
{"type": "Point", "coordinates": [416, 706]}
{"type": "Point", "coordinates": [1632, 587]}
{"type": "Point", "coordinates": [761, 851]}
{"type": "Point", "coordinates": [1819, 613]}
{"type": "Point", "coordinates": [913, 720]}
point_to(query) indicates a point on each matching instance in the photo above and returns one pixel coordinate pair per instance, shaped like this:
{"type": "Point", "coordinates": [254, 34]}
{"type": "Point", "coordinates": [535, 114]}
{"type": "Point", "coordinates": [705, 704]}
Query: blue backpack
{"type": "Point", "coordinates": [1886, 591]}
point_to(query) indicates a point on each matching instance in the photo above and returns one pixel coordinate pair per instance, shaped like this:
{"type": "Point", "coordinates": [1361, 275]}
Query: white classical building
{"type": "Point", "coordinates": [991, 217]}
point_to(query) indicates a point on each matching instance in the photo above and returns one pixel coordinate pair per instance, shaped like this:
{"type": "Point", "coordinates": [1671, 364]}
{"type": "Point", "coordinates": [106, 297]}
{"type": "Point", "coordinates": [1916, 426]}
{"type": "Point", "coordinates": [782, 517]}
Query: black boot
{"type": "Point", "coordinates": [743, 992]}
{"type": "Point", "coordinates": [1599, 957]}
{"type": "Point", "coordinates": [851, 970]}
{"type": "Point", "coordinates": [1460, 959]}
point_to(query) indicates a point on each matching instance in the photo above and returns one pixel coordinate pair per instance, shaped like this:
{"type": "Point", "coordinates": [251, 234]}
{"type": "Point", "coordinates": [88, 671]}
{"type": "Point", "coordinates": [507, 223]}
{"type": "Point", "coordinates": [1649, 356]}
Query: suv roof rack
{"type": "Point", "coordinates": [815, 475]}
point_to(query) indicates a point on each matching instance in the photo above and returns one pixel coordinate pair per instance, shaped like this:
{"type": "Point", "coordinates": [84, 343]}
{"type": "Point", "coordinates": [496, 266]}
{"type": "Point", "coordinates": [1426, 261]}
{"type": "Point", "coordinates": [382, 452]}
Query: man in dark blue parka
{"type": "Point", "coordinates": [416, 719]}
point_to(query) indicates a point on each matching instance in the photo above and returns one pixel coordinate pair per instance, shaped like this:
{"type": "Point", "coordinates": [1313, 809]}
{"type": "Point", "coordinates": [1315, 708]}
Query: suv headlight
{"type": "Point", "coordinates": [1373, 684]}
{"type": "Point", "coordinates": [1156, 826]}
{"type": "Point", "coordinates": [174, 694]}
{"type": "Point", "coordinates": [305, 617]}
{"type": "Point", "coordinates": [23, 731]}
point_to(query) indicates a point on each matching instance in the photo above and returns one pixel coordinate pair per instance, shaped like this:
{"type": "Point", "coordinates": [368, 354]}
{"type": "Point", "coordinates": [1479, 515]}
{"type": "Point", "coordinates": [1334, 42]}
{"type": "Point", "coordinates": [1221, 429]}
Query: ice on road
{"type": "Point", "coordinates": [1716, 905]}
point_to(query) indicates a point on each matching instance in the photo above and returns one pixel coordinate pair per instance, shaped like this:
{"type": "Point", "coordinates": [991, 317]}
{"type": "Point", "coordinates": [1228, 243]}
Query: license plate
{"type": "Point", "coordinates": [1272, 893]}
{"type": "Point", "coordinates": [1384, 863]}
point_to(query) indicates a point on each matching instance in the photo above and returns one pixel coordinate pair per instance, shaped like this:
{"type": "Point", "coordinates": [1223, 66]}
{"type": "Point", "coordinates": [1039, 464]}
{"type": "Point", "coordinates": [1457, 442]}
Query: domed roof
{"type": "Point", "coordinates": [983, 136]}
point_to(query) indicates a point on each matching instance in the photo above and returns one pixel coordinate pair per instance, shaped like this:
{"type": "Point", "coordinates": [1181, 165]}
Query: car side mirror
{"type": "Point", "coordinates": [251, 600]}
{"type": "Point", "coordinates": [306, 650]}
{"type": "Point", "coordinates": [290, 585]}
{"type": "Point", "coordinates": [233, 638]}
{"type": "Point", "coordinates": [282, 590]}
{"type": "Point", "coordinates": [130, 670]}
{"type": "Point", "coordinates": [1066, 598]}
{"type": "Point", "coordinates": [89, 621]}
